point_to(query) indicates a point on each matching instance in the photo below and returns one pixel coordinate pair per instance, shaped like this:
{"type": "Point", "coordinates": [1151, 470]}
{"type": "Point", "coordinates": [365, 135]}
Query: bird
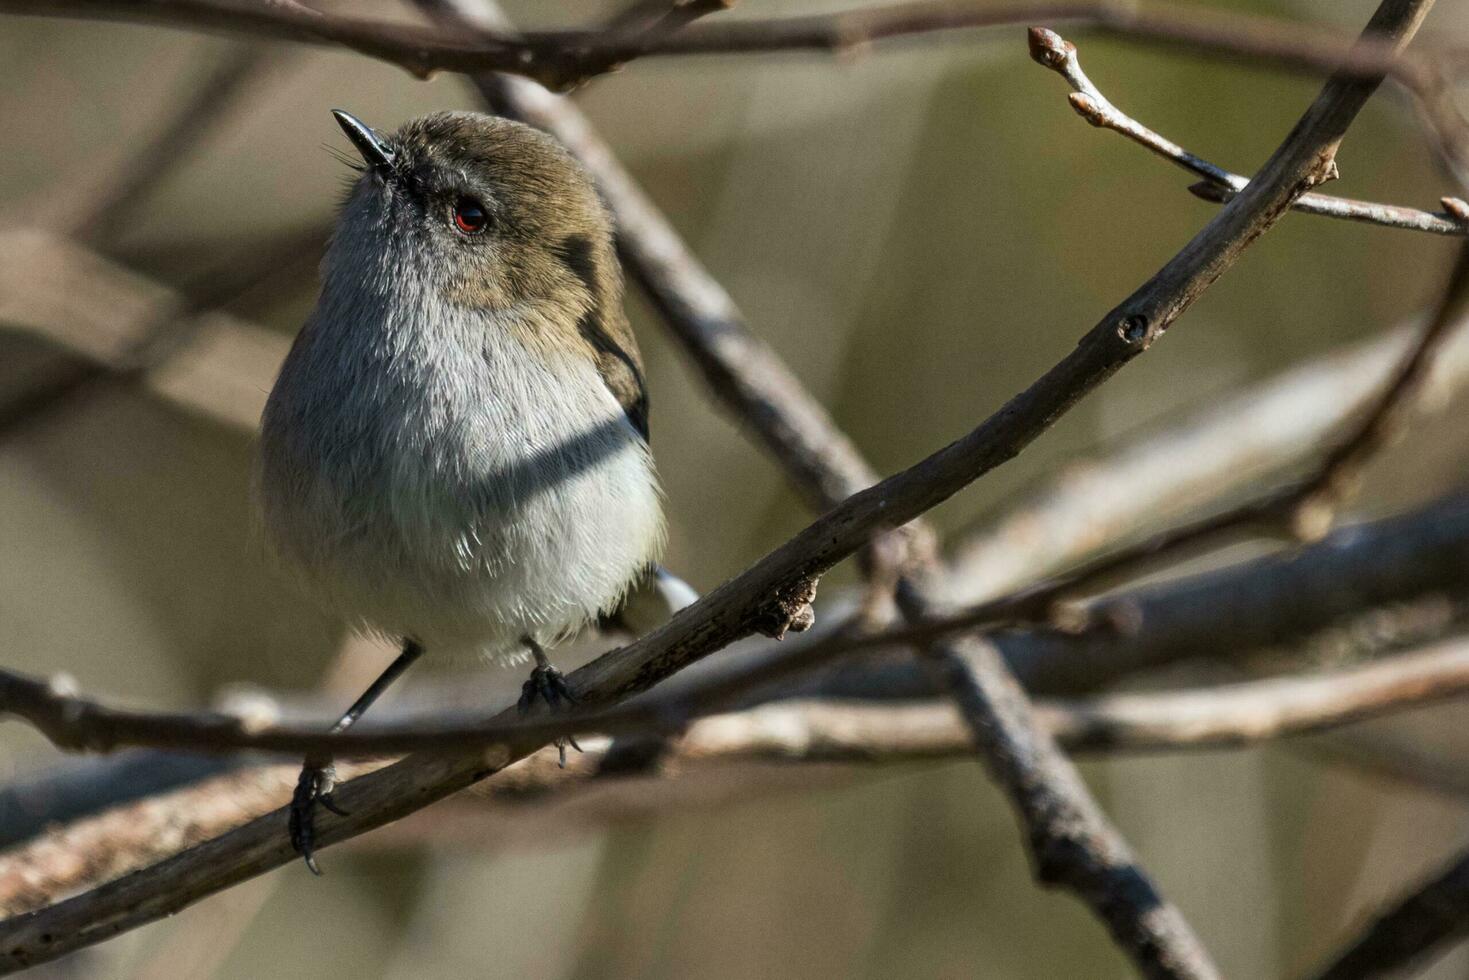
{"type": "Point", "coordinates": [455, 454]}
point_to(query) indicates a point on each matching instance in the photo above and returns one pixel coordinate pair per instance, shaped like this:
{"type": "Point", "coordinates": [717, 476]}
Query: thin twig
{"type": "Point", "coordinates": [1049, 49]}
{"type": "Point", "coordinates": [131, 329]}
{"type": "Point", "coordinates": [561, 59]}
{"type": "Point", "coordinates": [97, 203]}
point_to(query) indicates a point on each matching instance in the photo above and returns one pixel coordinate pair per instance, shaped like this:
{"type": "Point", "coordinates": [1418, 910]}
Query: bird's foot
{"type": "Point", "coordinates": [313, 788]}
{"type": "Point", "coordinates": [547, 684]}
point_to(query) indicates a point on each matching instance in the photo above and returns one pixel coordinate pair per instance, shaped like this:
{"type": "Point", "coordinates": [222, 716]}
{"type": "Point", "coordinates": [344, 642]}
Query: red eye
{"type": "Point", "coordinates": [470, 216]}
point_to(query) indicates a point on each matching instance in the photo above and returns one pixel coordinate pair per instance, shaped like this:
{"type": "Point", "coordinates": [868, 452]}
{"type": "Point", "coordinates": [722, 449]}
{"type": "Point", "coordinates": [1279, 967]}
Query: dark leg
{"type": "Point", "coordinates": [319, 776]}
{"type": "Point", "coordinates": [546, 684]}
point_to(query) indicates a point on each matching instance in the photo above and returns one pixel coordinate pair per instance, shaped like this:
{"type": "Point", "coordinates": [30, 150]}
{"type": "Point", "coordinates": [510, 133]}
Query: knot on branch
{"type": "Point", "coordinates": [789, 610]}
{"type": "Point", "coordinates": [1135, 330]}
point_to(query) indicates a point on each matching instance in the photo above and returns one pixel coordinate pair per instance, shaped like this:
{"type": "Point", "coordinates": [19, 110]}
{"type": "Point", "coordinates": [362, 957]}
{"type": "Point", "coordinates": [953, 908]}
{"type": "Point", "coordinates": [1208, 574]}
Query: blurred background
{"type": "Point", "coordinates": [919, 233]}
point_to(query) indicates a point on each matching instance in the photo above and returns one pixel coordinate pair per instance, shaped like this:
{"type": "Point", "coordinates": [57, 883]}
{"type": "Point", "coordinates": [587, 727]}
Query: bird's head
{"type": "Point", "coordinates": [485, 212]}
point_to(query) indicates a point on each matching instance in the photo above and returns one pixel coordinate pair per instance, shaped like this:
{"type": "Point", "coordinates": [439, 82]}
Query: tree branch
{"type": "Point", "coordinates": [1071, 841]}
{"type": "Point", "coordinates": [95, 215]}
{"type": "Point", "coordinates": [562, 59]}
{"type": "Point", "coordinates": [1224, 613]}
{"type": "Point", "coordinates": [1050, 50]}
{"type": "Point", "coordinates": [90, 851]}
{"type": "Point", "coordinates": [123, 323]}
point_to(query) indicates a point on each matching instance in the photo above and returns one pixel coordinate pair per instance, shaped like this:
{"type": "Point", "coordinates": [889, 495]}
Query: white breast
{"type": "Point", "coordinates": [448, 484]}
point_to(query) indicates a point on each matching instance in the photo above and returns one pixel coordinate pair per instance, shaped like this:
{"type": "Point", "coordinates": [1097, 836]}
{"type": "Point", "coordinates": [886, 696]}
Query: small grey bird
{"type": "Point", "coordinates": [455, 454]}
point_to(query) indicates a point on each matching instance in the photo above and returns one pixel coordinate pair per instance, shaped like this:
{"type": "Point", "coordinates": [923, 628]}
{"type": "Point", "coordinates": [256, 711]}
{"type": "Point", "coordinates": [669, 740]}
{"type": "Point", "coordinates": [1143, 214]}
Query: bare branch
{"type": "Point", "coordinates": [1049, 49]}
{"type": "Point", "coordinates": [123, 323]}
{"type": "Point", "coordinates": [93, 204]}
{"type": "Point", "coordinates": [1225, 613]}
{"type": "Point", "coordinates": [1405, 566]}
{"type": "Point", "coordinates": [561, 59]}
{"type": "Point", "coordinates": [1071, 841]}
{"type": "Point", "coordinates": [1237, 714]}
{"type": "Point", "coordinates": [1221, 615]}
{"type": "Point", "coordinates": [101, 848]}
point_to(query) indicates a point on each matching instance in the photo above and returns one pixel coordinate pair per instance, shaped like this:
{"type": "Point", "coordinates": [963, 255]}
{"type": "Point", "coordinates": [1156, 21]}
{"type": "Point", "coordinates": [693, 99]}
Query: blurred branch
{"type": "Point", "coordinates": [1049, 49]}
{"type": "Point", "coordinates": [1412, 931]}
{"type": "Point", "coordinates": [1305, 509]}
{"type": "Point", "coordinates": [1249, 711]}
{"type": "Point", "coordinates": [1153, 476]}
{"type": "Point", "coordinates": [667, 15]}
{"type": "Point", "coordinates": [562, 59]}
{"type": "Point", "coordinates": [1400, 759]}
{"type": "Point", "coordinates": [123, 323]}
{"type": "Point", "coordinates": [116, 842]}
{"type": "Point", "coordinates": [810, 732]}
{"type": "Point", "coordinates": [96, 205]}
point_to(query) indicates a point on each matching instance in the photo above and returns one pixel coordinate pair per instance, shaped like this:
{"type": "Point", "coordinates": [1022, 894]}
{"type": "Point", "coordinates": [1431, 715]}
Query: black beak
{"type": "Point", "coordinates": [376, 151]}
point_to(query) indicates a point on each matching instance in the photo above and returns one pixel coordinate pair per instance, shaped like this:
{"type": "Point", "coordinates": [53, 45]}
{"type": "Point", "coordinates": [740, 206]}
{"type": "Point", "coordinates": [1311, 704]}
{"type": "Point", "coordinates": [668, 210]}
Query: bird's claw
{"type": "Point", "coordinates": [548, 684]}
{"type": "Point", "coordinates": [314, 787]}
